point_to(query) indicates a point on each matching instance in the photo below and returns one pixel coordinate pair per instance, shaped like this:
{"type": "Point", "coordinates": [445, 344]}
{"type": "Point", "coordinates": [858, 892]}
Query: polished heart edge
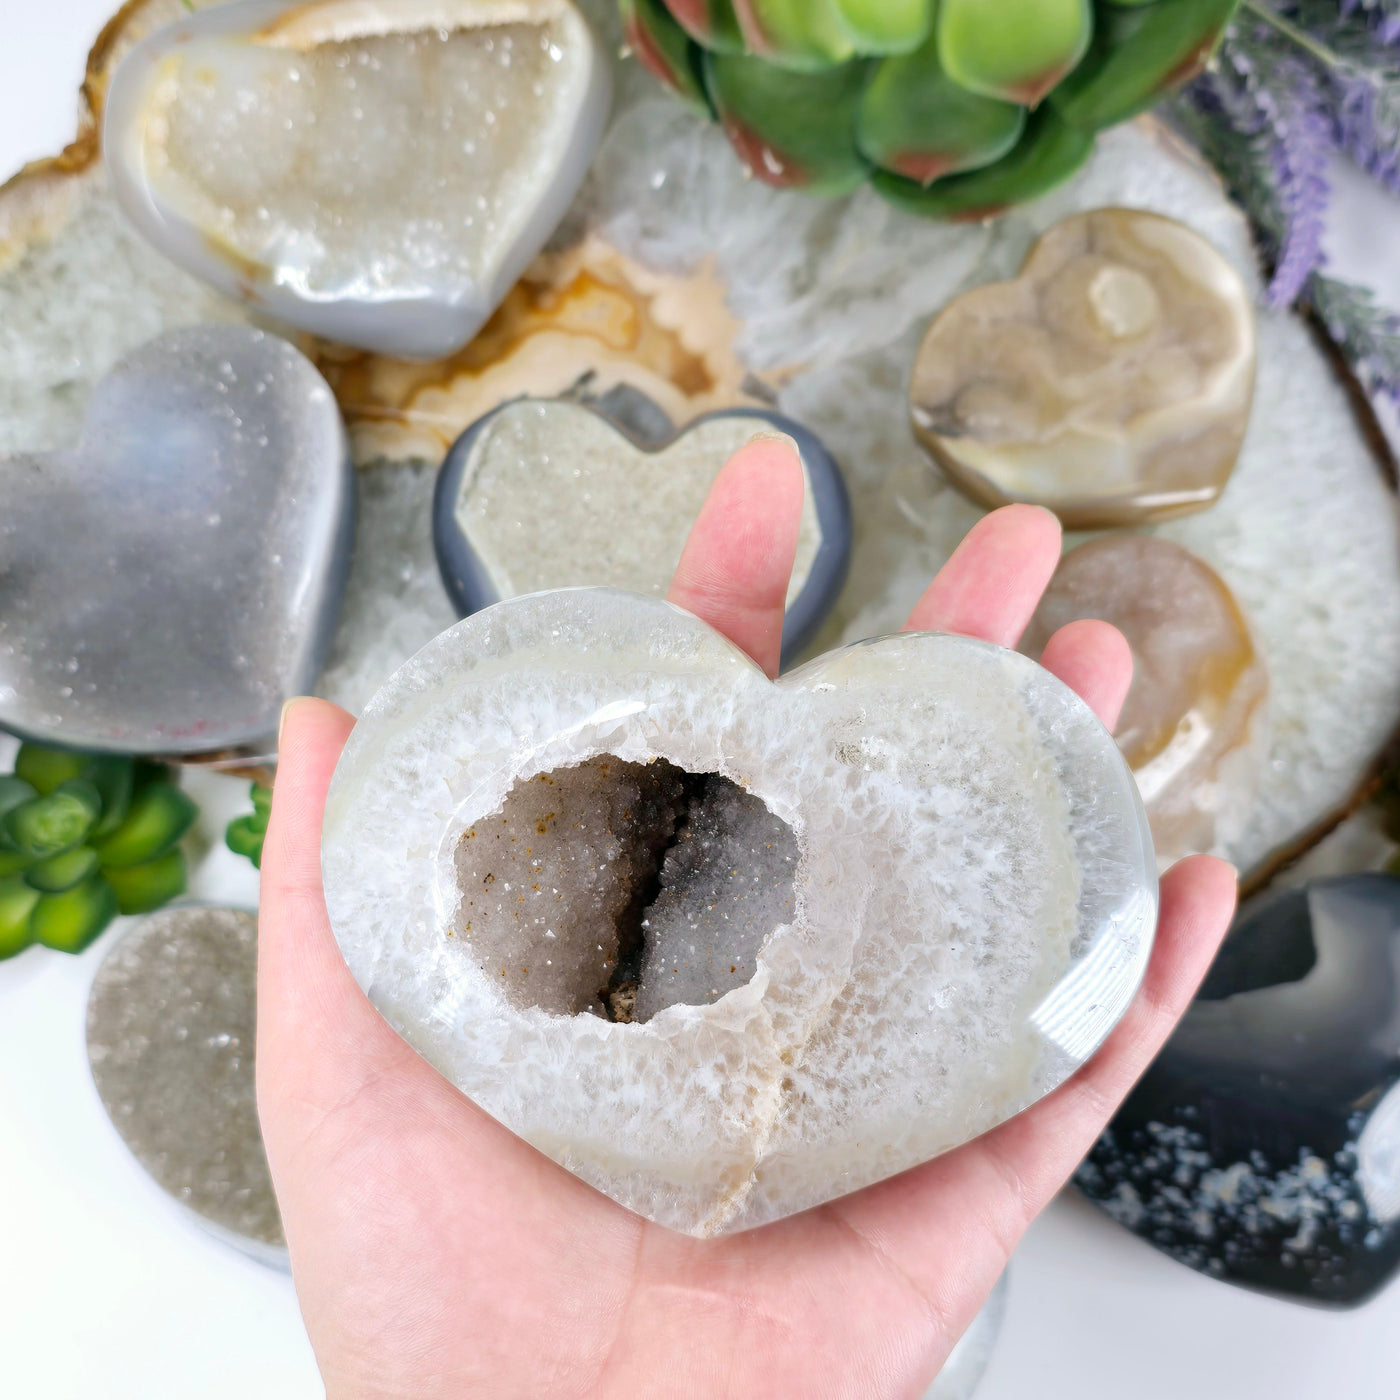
{"type": "Point", "coordinates": [412, 327]}
{"type": "Point", "coordinates": [471, 590]}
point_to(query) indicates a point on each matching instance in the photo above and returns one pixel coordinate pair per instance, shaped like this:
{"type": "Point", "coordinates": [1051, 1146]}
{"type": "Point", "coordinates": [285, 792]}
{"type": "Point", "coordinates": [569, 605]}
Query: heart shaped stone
{"type": "Point", "coordinates": [171, 1024]}
{"type": "Point", "coordinates": [167, 583]}
{"type": "Point", "coordinates": [1111, 381]}
{"type": "Point", "coordinates": [1263, 1146]}
{"type": "Point", "coordinates": [724, 947]}
{"type": "Point", "coordinates": [380, 174]}
{"type": "Point", "coordinates": [547, 494]}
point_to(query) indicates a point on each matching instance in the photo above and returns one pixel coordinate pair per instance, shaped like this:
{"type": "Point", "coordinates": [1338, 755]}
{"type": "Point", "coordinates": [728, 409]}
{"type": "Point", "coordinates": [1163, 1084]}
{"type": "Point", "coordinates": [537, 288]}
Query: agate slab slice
{"type": "Point", "coordinates": [169, 581]}
{"type": "Point", "coordinates": [1195, 725]}
{"type": "Point", "coordinates": [545, 494]}
{"type": "Point", "coordinates": [948, 848]}
{"type": "Point", "coordinates": [1263, 1146]}
{"type": "Point", "coordinates": [171, 1025]}
{"type": "Point", "coordinates": [1110, 381]}
{"type": "Point", "coordinates": [377, 173]}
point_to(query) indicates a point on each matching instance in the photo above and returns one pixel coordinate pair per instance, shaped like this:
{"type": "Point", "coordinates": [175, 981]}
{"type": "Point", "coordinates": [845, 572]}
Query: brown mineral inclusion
{"type": "Point", "coordinates": [1111, 381]}
{"type": "Point", "coordinates": [1194, 729]}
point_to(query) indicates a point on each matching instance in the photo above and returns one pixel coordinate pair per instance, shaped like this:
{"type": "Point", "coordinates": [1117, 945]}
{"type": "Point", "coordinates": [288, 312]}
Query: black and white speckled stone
{"type": "Point", "coordinates": [170, 1030]}
{"type": "Point", "coordinates": [1263, 1147]}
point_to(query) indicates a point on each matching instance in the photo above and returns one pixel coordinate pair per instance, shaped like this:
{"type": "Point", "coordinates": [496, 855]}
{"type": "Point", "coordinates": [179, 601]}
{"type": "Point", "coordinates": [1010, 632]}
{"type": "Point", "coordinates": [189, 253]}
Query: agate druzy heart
{"type": "Point", "coordinates": [167, 583]}
{"type": "Point", "coordinates": [171, 1023]}
{"type": "Point", "coordinates": [547, 493]}
{"type": "Point", "coordinates": [378, 173]}
{"type": "Point", "coordinates": [724, 947]}
{"type": "Point", "coordinates": [1263, 1146]}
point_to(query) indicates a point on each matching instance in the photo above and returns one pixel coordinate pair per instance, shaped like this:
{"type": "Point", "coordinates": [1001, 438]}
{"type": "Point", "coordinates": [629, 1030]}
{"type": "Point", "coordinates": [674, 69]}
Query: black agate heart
{"type": "Point", "coordinates": [1263, 1147]}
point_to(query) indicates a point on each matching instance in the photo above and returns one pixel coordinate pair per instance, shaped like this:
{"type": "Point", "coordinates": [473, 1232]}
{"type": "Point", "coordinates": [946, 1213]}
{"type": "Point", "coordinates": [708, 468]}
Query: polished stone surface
{"type": "Point", "coordinates": [973, 901]}
{"type": "Point", "coordinates": [553, 494]}
{"type": "Point", "coordinates": [168, 582]}
{"type": "Point", "coordinates": [1195, 726]}
{"type": "Point", "coordinates": [1110, 381]}
{"type": "Point", "coordinates": [171, 1025]}
{"type": "Point", "coordinates": [378, 173]}
{"type": "Point", "coordinates": [1263, 1146]}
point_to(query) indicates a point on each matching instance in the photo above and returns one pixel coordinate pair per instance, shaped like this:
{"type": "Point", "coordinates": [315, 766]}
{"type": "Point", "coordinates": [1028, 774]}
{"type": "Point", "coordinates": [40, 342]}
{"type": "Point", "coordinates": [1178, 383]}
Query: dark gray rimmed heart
{"type": "Point", "coordinates": [167, 583]}
{"type": "Point", "coordinates": [1263, 1145]}
{"type": "Point", "coordinates": [549, 493]}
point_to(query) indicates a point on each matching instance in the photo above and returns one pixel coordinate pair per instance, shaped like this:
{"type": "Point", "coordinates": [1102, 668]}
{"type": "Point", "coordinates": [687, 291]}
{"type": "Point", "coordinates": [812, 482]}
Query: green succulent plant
{"type": "Point", "coordinates": [244, 835]}
{"type": "Point", "coordinates": [955, 108]}
{"type": "Point", "coordinates": [85, 837]}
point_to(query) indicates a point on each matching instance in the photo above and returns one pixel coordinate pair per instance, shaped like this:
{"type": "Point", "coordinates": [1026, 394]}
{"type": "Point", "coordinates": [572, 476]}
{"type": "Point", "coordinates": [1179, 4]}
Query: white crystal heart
{"type": "Point", "coordinates": [378, 173]}
{"type": "Point", "coordinates": [972, 907]}
{"type": "Point", "coordinates": [167, 583]}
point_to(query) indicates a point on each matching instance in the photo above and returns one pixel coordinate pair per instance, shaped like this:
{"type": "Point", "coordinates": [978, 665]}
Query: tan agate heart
{"type": "Point", "coordinates": [1111, 381]}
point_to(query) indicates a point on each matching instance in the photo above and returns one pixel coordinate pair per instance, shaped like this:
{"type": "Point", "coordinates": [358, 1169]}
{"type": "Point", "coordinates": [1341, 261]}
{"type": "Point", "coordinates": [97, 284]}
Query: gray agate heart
{"type": "Point", "coordinates": [380, 174]}
{"type": "Point", "coordinates": [169, 581]}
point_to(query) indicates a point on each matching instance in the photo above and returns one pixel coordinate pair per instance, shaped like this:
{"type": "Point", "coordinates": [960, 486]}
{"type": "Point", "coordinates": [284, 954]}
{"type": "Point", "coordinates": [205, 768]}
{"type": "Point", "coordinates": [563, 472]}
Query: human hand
{"type": "Point", "coordinates": [435, 1254]}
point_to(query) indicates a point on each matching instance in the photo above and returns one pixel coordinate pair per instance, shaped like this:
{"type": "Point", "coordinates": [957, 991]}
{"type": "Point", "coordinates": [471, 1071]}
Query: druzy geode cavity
{"type": "Point", "coordinates": [1263, 1146]}
{"type": "Point", "coordinates": [1111, 381]}
{"type": "Point", "coordinates": [379, 173]}
{"type": "Point", "coordinates": [171, 1025]}
{"type": "Point", "coordinates": [554, 835]}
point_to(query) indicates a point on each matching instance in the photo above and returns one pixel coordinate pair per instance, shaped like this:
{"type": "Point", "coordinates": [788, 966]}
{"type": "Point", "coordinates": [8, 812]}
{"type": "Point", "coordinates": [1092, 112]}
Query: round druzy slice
{"type": "Point", "coordinates": [727, 947]}
{"type": "Point", "coordinates": [1195, 726]}
{"type": "Point", "coordinates": [171, 1023]}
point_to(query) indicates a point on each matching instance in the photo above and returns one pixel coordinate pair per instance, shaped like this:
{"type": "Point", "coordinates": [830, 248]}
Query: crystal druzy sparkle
{"type": "Point", "coordinates": [724, 947]}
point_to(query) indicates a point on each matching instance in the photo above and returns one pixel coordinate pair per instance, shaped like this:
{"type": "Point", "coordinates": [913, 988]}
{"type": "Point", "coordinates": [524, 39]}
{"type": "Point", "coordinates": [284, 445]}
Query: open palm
{"type": "Point", "coordinates": [435, 1254]}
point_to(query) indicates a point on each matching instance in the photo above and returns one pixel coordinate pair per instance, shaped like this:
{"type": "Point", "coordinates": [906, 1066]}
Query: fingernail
{"type": "Point", "coordinates": [772, 435]}
{"type": "Point", "coordinates": [282, 720]}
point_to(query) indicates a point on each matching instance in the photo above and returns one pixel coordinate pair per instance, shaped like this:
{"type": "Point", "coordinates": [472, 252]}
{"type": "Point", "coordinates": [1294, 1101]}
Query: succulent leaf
{"type": "Point", "coordinates": [663, 48]}
{"type": "Point", "coordinates": [1017, 50]}
{"type": "Point", "coordinates": [1049, 152]}
{"type": "Point", "coordinates": [159, 816]}
{"type": "Point", "coordinates": [791, 129]}
{"type": "Point", "coordinates": [140, 888]}
{"type": "Point", "coordinates": [60, 873]}
{"type": "Point", "coordinates": [114, 777]}
{"type": "Point", "coordinates": [800, 34]}
{"type": "Point", "coordinates": [712, 23]}
{"type": "Point", "coordinates": [49, 825]}
{"type": "Point", "coordinates": [17, 901]}
{"type": "Point", "coordinates": [885, 26]}
{"type": "Point", "coordinates": [44, 768]}
{"type": "Point", "coordinates": [70, 921]}
{"type": "Point", "coordinates": [916, 122]}
{"type": "Point", "coordinates": [1138, 55]}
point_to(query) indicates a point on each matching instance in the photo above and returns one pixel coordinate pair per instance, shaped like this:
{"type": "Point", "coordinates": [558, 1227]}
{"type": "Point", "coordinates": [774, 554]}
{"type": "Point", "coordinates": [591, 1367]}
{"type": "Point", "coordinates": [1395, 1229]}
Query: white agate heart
{"type": "Point", "coordinates": [378, 173]}
{"type": "Point", "coordinates": [927, 850]}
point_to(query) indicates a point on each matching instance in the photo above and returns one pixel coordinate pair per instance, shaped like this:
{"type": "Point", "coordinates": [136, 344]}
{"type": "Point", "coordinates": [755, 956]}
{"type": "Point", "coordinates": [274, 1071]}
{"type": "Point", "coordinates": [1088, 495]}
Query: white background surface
{"type": "Point", "coordinates": [107, 1290]}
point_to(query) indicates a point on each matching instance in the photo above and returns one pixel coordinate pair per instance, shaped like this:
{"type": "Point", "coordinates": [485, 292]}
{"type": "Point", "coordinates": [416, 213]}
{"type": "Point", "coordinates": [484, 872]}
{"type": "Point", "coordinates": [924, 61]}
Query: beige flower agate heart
{"type": "Point", "coordinates": [1111, 381]}
{"type": "Point", "coordinates": [379, 173]}
{"type": "Point", "coordinates": [725, 947]}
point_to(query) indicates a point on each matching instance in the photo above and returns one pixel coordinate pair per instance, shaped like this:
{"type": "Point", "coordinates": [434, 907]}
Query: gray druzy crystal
{"type": "Point", "coordinates": [972, 898]}
{"type": "Point", "coordinates": [170, 1030]}
{"type": "Point", "coordinates": [726, 884]}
